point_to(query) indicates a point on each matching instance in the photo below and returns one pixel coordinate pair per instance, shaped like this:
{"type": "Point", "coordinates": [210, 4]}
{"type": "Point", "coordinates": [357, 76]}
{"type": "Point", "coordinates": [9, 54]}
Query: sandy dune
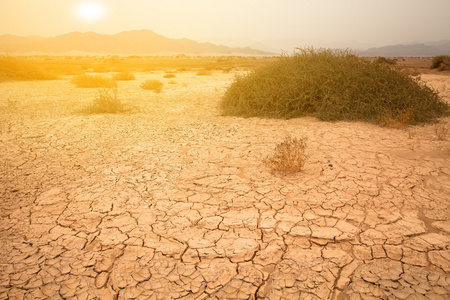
{"type": "Point", "coordinates": [172, 201]}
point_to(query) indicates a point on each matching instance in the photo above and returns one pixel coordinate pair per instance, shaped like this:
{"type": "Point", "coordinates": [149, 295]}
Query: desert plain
{"type": "Point", "coordinates": [172, 200]}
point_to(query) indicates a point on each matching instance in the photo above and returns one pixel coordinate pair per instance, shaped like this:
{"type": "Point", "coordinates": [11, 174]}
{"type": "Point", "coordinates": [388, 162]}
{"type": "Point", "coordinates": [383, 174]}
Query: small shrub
{"type": "Point", "coordinates": [411, 134]}
{"type": "Point", "coordinates": [289, 156]}
{"type": "Point", "coordinates": [331, 85]}
{"type": "Point", "coordinates": [441, 130]}
{"type": "Point", "coordinates": [93, 81]}
{"type": "Point", "coordinates": [13, 68]}
{"type": "Point", "coordinates": [410, 72]}
{"type": "Point", "coordinates": [441, 62]}
{"type": "Point", "coordinates": [399, 119]}
{"type": "Point", "coordinates": [124, 76]}
{"type": "Point", "coordinates": [384, 60]}
{"type": "Point", "coordinates": [169, 75]}
{"type": "Point", "coordinates": [154, 85]}
{"type": "Point", "coordinates": [204, 72]}
{"type": "Point", "coordinates": [105, 102]}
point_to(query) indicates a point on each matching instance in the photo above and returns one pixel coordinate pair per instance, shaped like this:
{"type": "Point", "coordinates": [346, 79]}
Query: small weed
{"type": "Point", "coordinates": [400, 119]}
{"type": "Point", "coordinates": [441, 130]}
{"type": "Point", "coordinates": [124, 76]}
{"type": "Point", "coordinates": [409, 72]}
{"type": "Point", "coordinates": [384, 60]}
{"type": "Point", "coordinates": [93, 81]}
{"type": "Point", "coordinates": [411, 134]}
{"type": "Point", "coordinates": [289, 156]}
{"type": "Point", "coordinates": [204, 72]}
{"type": "Point", "coordinates": [105, 102]}
{"type": "Point", "coordinates": [12, 104]}
{"type": "Point", "coordinates": [153, 85]}
{"type": "Point", "coordinates": [169, 75]}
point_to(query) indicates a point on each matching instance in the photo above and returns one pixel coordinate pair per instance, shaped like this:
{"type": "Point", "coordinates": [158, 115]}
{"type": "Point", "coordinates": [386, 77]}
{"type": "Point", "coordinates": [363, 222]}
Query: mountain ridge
{"type": "Point", "coordinates": [125, 42]}
{"type": "Point", "coordinates": [410, 50]}
{"type": "Point", "coordinates": [148, 42]}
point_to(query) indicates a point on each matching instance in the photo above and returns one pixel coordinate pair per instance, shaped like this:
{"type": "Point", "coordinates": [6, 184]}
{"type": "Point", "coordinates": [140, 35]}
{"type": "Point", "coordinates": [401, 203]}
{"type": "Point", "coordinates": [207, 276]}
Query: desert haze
{"type": "Point", "coordinates": [129, 42]}
{"type": "Point", "coordinates": [147, 42]}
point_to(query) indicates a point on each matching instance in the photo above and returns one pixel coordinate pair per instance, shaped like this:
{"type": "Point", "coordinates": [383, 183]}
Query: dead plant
{"type": "Point", "coordinates": [289, 156]}
{"type": "Point", "coordinates": [105, 102]}
{"type": "Point", "coordinates": [400, 119]}
{"type": "Point", "coordinates": [441, 130]}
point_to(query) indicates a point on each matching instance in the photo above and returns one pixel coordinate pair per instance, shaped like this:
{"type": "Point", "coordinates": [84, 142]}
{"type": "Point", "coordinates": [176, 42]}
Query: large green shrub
{"type": "Point", "coordinates": [330, 85]}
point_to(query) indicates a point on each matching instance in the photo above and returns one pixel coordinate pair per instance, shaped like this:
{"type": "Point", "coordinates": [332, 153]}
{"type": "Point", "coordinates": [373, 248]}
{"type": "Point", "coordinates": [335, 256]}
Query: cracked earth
{"type": "Point", "coordinates": [172, 201]}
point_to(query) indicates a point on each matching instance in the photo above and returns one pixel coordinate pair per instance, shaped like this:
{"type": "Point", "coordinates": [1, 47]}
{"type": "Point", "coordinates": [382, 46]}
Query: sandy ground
{"type": "Point", "coordinates": [173, 201]}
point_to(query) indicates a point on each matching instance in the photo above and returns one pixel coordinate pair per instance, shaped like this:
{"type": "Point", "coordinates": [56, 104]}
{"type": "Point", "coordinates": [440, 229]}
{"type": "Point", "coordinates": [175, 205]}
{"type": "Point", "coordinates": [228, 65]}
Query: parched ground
{"type": "Point", "coordinates": [170, 200]}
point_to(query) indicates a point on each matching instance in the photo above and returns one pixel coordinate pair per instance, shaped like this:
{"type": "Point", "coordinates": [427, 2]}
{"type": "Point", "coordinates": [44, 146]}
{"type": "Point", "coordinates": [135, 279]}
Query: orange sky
{"type": "Point", "coordinates": [239, 22]}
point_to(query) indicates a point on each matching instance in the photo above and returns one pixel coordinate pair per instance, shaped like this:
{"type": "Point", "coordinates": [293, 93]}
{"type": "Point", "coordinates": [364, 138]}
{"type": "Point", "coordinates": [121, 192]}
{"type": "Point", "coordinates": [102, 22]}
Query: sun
{"type": "Point", "coordinates": [90, 11]}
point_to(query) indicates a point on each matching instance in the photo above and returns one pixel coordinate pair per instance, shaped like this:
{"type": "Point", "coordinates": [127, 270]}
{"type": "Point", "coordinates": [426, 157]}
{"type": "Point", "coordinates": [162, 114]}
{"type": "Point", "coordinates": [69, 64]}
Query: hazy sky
{"type": "Point", "coordinates": [239, 22]}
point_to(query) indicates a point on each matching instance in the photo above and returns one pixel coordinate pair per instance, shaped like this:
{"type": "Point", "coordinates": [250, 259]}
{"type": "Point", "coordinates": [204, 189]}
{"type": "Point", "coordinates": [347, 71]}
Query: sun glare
{"type": "Point", "coordinates": [90, 11]}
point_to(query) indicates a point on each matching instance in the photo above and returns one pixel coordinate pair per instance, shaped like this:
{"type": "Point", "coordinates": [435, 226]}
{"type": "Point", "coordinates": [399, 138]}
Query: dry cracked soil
{"type": "Point", "coordinates": [171, 200]}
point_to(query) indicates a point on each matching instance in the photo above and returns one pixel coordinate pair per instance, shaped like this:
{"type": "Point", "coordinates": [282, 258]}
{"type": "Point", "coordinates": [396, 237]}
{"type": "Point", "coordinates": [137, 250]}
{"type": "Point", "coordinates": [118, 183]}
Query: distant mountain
{"type": "Point", "coordinates": [127, 42]}
{"type": "Point", "coordinates": [412, 50]}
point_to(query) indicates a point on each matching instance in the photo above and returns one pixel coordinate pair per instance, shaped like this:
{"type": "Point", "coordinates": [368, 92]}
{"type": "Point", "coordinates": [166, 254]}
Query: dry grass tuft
{"type": "Point", "coordinates": [289, 156]}
{"type": "Point", "coordinates": [93, 81]}
{"type": "Point", "coordinates": [153, 85]}
{"type": "Point", "coordinates": [441, 130]}
{"type": "Point", "coordinates": [124, 76]}
{"type": "Point", "coordinates": [169, 75]}
{"type": "Point", "coordinates": [204, 72]}
{"type": "Point", "coordinates": [400, 119]}
{"type": "Point", "coordinates": [106, 102]}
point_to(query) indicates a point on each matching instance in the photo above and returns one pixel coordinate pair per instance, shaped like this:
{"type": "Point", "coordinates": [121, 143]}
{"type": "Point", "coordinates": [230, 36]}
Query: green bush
{"type": "Point", "coordinates": [93, 81]}
{"type": "Point", "coordinates": [154, 85]}
{"type": "Point", "coordinates": [330, 85]}
{"type": "Point", "coordinates": [441, 62]}
{"type": "Point", "coordinates": [13, 68]}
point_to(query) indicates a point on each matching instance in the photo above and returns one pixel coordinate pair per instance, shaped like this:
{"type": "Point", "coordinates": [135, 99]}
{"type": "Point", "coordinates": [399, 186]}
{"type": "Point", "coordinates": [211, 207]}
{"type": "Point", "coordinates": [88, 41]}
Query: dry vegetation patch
{"type": "Point", "coordinates": [399, 119]}
{"type": "Point", "coordinates": [105, 102]}
{"type": "Point", "coordinates": [441, 131]}
{"type": "Point", "coordinates": [289, 156]}
{"type": "Point", "coordinates": [204, 72]}
{"type": "Point", "coordinates": [93, 81]}
{"type": "Point", "coordinates": [15, 68]}
{"type": "Point", "coordinates": [153, 85]}
{"type": "Point", "coordinates": [124, 76]}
